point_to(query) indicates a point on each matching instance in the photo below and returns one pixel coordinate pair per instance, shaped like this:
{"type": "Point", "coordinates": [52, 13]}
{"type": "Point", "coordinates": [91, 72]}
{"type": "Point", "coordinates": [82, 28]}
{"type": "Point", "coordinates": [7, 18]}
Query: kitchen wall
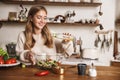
{"type": "Point", "coordinates": [117, 9]}
{"type": "Point", "coordinates": [10, 31]}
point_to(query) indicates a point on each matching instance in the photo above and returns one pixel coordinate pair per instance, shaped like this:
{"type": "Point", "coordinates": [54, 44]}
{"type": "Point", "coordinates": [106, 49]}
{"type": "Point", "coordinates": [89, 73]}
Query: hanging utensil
{"type": "Point", "coordinates": [101, 27]}
{"type": "Point", "coordinates": [107, 42]}
{"type": "Point", "coordinates": [103, 43]}
{"type": "Point", "coordinates": [104, 38]}
{"type": "Point", "coordinates": [96, 41]}
{"type": "Point", "coordinates": [110, 38]}
{"type": "Point", "coordinates": [99, 38]}
{"type": "Point", "coordinates": [100, 13]}
{"type": "Point", "coordinates": [80, 46]}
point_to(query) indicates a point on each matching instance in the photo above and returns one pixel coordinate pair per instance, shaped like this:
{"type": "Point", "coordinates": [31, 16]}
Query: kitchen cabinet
{"type": "Point", "coordinates": [79, 4]}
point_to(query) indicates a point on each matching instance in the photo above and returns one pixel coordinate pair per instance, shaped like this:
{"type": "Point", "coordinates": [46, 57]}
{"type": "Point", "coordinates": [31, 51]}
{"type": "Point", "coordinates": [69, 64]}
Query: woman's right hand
{"type": "Point", "coordinates": [31, 57]}
{"type": "Point", "coordinates": [67, 38]}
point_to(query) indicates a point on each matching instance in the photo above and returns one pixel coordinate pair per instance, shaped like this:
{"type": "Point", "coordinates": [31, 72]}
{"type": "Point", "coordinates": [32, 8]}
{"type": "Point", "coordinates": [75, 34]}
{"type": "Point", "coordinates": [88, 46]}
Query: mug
{"type": "Point", "coordinates": [81, 68]}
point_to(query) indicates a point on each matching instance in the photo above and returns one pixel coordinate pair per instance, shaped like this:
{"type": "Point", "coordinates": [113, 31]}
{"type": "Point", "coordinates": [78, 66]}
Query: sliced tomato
{"type": "Point", "coordinates": [43, 73]}
{"type": "Point", "coordinates": [13, 60]}
{"type": "Point", "coordinates": [10, 61]}
{"type": "Point", "coordinates": [2, 61]}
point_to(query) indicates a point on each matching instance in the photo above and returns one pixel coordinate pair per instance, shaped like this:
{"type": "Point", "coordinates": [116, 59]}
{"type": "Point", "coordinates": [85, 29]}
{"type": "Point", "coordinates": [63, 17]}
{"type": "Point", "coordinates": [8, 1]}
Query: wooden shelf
{"type": "Point", "coordinates": [76, 24]}
{"type": "Point", "coordinates": [51, 23]}
{"type": "Point", "coordinates": [53, 3]}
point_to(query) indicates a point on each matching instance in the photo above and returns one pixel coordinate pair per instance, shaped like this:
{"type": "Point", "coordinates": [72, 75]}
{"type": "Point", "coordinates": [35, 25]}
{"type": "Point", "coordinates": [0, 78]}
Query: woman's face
{"type": "Point", "coordinates": [39, 19]}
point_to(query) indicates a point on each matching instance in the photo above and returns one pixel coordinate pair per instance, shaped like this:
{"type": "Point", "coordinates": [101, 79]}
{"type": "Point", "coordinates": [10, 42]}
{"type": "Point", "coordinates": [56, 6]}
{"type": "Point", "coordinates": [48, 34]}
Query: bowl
{"type": "Point", "coordinates": [90, 53]}
{"type": "Point", "coordinates": [48, 61]}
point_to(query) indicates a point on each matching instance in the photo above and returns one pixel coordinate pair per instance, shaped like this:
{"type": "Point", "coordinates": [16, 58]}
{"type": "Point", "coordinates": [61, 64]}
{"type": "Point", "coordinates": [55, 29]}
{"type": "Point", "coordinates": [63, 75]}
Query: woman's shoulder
{"type": "Point", "coordinates": [21, 33]}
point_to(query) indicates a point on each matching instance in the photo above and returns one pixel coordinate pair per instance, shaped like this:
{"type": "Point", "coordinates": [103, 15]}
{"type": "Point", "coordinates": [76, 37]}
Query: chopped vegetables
{"type": "Point", "coordinates": [48, 64]}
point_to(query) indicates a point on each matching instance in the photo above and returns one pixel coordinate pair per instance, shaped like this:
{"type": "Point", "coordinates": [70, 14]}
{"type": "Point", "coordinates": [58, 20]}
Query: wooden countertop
{"type": "Point", "coordinates": [19, 73]}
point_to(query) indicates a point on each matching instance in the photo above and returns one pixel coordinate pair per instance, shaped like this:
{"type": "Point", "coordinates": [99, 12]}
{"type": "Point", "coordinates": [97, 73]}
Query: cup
{"type": "Point", "coordinates": [81, 68]}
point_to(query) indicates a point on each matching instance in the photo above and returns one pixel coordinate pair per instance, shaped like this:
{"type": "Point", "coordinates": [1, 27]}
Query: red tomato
{"type": "Point", "coordinates": [10, 61]}
{"type": "Point", "coordinates": [13, 60]}
{"type": "Point", "coordinates": [2, 61]}
{"type": "Point", "coordinates": [43, 73]}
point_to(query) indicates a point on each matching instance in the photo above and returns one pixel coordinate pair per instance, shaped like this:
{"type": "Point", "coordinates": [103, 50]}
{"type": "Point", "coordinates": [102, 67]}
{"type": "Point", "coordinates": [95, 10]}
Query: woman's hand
{"type": "Point", "coordinates": [67, 38]}
{"type": "Point", "coordinates": [31, 57]}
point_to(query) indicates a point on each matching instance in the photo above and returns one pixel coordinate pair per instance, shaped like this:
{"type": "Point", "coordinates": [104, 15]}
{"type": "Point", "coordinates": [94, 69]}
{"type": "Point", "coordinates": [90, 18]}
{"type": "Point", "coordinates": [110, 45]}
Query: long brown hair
{"type": "Point", "coordinates": [30, 42]}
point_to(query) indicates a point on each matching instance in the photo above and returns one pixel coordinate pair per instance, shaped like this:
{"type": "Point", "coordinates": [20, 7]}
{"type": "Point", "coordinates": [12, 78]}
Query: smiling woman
{"type": "Point", "coordinates": [36, 38]}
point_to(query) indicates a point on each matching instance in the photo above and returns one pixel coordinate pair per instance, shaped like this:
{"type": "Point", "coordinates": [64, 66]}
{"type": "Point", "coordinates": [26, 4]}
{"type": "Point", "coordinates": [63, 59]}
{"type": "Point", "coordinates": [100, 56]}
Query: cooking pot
{"type": "Point", "coordinates": [11, 49]}
{"type": "Point", "coordinates": [90, 53]}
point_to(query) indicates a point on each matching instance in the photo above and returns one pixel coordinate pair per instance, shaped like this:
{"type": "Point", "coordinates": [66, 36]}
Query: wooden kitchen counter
{"type": "Point", "coordinates": [19, 73]}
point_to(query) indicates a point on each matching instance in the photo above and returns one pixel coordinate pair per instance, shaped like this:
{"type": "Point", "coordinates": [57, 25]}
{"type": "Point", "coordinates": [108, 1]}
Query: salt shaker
{"type": "Point", "coordinates": [92, 71]}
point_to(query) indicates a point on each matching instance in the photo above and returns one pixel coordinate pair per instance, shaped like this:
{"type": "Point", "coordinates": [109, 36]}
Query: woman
{"type": "Point", "coordinates": [36, 39]}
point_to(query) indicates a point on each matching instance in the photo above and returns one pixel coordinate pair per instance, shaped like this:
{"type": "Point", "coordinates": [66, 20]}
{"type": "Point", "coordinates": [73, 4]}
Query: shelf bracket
{"type": "Point", "coordinates": [0, 25]}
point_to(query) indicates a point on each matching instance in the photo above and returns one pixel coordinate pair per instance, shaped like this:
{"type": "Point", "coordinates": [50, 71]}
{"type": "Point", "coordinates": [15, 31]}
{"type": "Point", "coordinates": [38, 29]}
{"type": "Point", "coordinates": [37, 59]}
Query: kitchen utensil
{"type": "Point", "coordinates": [110, 37]}
{"type": "Point", "coordinates": [80, 45]}
{"type": "Point", "coordinates": [90, 53]}
{"type": "Point", "coordinates": [101, 27]}
{"type": "Point", "coordinates": [107, 42]}
{"type": "Point", "coordinates": [100, 13]}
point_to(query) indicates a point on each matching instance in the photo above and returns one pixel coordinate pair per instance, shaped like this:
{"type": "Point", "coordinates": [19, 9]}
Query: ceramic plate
{"type": "Point", "coordinates": [8, 65]}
